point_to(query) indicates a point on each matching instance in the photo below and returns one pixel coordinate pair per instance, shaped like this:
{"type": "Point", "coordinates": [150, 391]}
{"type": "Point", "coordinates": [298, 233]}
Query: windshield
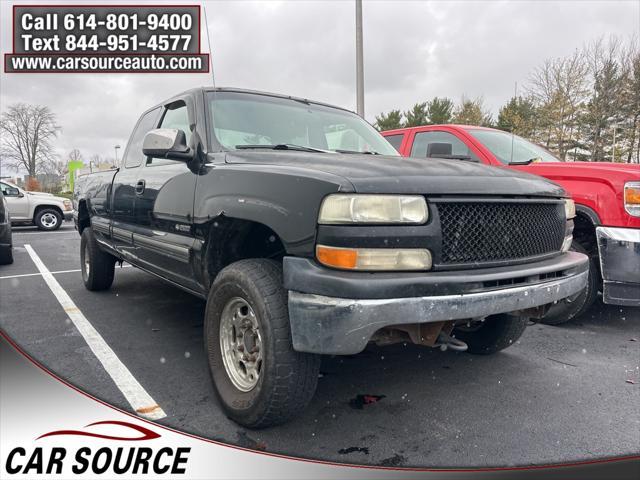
{"type": "Point", "coordinates": [511, 148]}
{"type": "Point", "coordinates": [255, 121]}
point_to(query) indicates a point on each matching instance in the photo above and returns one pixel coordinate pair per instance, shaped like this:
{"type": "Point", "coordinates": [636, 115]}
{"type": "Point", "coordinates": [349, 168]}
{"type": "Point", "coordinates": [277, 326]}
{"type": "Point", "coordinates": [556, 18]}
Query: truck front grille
{"type": "Point", "coordinates": [492, 232]}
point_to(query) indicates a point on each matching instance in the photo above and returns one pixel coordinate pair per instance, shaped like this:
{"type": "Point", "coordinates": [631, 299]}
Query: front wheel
{"type": "Point", "coordinates": [495, 333]}
{"type": "Point", "coordinates": [48, 219]}
{"type": "Point", "coordinates": [260, 380]}
{"type": "Point", "coordinates": [98, 267]}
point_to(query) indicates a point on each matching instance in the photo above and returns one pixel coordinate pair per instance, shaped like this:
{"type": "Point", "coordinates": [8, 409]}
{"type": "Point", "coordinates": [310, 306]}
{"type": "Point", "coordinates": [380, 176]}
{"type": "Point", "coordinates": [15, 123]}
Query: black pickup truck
{"type": "Point", "coordinates": [307, 234]}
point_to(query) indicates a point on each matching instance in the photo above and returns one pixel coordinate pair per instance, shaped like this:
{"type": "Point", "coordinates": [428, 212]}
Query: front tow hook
{"type": "Point", "coordinates": [445, 341]}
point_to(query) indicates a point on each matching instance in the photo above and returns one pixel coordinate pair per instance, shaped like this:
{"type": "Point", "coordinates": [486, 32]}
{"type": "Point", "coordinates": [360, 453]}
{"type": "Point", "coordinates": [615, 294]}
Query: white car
{"type": "Point", "coordinates": [44, 210]}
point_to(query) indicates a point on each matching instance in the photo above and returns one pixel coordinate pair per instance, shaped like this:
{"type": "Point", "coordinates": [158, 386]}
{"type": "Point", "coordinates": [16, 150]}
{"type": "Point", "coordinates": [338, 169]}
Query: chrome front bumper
{"type": "Point", "coordinates": [340, 326]}
{"type": "Point", "coordinates": [619, 250]}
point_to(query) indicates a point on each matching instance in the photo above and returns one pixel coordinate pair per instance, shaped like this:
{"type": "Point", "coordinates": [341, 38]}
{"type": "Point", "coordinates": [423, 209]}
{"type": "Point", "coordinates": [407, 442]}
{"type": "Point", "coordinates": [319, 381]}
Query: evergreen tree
{"type": "Point", "coordinates": [417, 116]}
{"type": "Point", "coordinates": [389, 121]}
{"type": "Point", "coordinates": [439, 111]}
{"type": "Point", "coordinates": [472, 112]}
{"type": "Point", "coordinates": [518, 116]}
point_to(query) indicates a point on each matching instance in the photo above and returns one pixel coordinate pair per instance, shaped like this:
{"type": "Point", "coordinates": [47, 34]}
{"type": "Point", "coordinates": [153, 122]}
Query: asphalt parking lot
{"type": "Point", "coordinates": [560, 394]}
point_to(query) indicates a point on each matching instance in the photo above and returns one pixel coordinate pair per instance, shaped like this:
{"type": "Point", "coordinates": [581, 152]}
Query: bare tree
{"type": "Point", "coordinates": [630, 103]}
{"type": "Point", "coordinates": [559, 87]}
{"type": "Point", "coordinates": [56, 167]}
{"type": "Point", "coordinates": [603, 112]}
{"type": "Point", "coordinates": [75, 156]}
{"type": "Point", "coordinates": [27, 135]}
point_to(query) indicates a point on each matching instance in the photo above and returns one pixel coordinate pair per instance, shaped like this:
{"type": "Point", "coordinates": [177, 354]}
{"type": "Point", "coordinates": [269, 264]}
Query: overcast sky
{"type": "Point", "coordinates": [412, 52]}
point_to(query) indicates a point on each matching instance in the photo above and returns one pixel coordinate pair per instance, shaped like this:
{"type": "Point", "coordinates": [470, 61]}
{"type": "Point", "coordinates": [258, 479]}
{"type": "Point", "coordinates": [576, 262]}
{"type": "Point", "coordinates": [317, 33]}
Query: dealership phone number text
{"type": "Point", "coordinates": [112, 32]}
{"type": "Point", "coordinates": [115, 43]}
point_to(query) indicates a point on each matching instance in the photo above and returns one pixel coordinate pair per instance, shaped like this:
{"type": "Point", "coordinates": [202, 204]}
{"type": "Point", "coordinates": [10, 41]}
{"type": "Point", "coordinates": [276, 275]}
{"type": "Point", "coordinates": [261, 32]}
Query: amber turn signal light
{"type": "Point", "coordinates": [337, 257]}
{"type": "Point", "coordinates": [374, 259]}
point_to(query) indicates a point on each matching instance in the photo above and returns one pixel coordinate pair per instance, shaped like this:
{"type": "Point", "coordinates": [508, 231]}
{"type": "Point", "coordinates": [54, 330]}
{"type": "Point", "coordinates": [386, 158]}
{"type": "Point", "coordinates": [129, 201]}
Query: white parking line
{"type": "Point", "coordinates": [18, 232]}
{"type": "Point", "coordinates": [135, 394]}
{"type": "Point", "coordinates": [37, 274]}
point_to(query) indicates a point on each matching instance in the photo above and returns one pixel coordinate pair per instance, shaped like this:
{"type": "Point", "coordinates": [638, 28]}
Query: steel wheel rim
{"type": "Point", "coordinates": [49, 220]}
{"type": "Point", "coordinates": [241, 344]}
{"type": "Point", "coordinates": [87, 264]}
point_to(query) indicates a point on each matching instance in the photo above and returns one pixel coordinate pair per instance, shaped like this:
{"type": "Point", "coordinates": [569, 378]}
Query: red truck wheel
{"type": "Point", "coordinates": [495, 333]}
{"type": "Point", "coordinates": [570, 308]}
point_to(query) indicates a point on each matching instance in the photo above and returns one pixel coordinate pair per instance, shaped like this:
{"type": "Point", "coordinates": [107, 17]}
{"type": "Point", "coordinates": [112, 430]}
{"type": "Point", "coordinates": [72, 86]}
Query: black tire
{"type": "Point", "coordinates": [496, 333]}
{"type": "Point", "coordinates": [6, 256]}
{"type": "Point", "coordinates": [48, 219]}
{"type": "Point", "coordinates": [572, 307]}
{"type": "Point", "coordinates": [97, 267]}
{"type": "Point", "coordinates": [287, 379]}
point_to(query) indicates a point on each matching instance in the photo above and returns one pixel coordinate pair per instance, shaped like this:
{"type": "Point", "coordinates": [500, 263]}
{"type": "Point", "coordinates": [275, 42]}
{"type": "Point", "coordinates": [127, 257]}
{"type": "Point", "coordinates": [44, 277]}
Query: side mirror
{"type": "Point", "coordinates": [13, 192]}
{"type": "Point", "coordinates": [168, 143]}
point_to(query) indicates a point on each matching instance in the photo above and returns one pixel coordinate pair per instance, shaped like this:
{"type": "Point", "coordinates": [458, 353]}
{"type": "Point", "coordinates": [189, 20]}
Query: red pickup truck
{"type": "Point", "coordinates": [607, 197]}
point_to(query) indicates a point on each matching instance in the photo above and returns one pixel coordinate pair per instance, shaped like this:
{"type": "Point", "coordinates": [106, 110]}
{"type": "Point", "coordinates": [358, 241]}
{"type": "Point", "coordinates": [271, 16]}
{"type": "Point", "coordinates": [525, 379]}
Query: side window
{"type": "Point", "coordinates": [133, 157]}
{"type": "Point", "coordinates": [422, 141]}
{"type": "Point", "coordinates": [8, 190]}
{"type": "Point", "coordinates": [395, 140]}
{"type": "Point", "coordinates": [175, 116]}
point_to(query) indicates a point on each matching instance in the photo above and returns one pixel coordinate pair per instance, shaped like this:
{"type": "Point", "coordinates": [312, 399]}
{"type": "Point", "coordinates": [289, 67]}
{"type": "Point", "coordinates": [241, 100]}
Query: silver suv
{"type": "Point", "coordinates": [44, 210]}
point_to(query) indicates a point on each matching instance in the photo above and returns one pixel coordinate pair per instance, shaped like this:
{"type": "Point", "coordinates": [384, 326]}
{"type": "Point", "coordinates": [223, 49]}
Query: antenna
{"type": "Point", "coordinates": [515, 97]}
{"type": "Point", "coordinates": [206, 23]}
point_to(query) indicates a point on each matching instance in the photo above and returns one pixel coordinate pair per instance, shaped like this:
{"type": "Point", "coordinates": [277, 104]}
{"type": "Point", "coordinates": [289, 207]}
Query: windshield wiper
{"type": "Point", "coordinates": [466, 158]}
{"type": "Point", "coordinates": [282, 146]}
{"type": "Point", "coordinates": [366, 152]}
{"type": "Point", "coordinates": [525, 162]}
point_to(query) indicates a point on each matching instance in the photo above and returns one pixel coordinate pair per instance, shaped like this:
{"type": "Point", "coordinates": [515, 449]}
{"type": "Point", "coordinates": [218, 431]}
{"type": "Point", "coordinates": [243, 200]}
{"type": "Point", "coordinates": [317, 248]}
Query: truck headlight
{"type": "Point", "coordinates": [569, 208]}
{"type": "Point", "coordinates": [374, 259]}
{"type": "Point", "coordinates": [67, 205]}
{"type": "Point", "coordinates": [373, 209]}
{"type": "Point", "coordinates": [632, 198]}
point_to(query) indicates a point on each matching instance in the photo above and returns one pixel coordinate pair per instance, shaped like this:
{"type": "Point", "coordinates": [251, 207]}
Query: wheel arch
{"type": "Point", "coordinates": [83, 218]}
{"type": "Point", "coordinates": [584, 228]}
{"type": "Point", "coordinates": [226, 240]}
{"type": "Point", "coordinates": [39, 208]}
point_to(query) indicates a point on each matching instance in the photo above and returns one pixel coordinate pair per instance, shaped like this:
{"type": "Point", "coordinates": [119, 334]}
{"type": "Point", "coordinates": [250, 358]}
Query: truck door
{"type": "Point", "coordinates": [17, 201]}
{"type": "Point", "coordinates": [123, 189]}
{"type": "Point", "coordinates": [163, 208]}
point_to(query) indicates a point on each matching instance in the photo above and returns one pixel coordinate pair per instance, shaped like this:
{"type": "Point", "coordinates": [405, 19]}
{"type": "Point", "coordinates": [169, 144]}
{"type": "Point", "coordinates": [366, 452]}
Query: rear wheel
{"type": "Point", "coordinates": [574, 306]}
{"type": "Point", "coordinates": [48, 219]}
{"type": "Point", "coordinates": [495, 333]}
{"type": "Point", "coordinates": [260, 380]}
{"type": "Point", "coordinates": [98, 267]}
{"type": "Point", "coordinates": [6, 255]}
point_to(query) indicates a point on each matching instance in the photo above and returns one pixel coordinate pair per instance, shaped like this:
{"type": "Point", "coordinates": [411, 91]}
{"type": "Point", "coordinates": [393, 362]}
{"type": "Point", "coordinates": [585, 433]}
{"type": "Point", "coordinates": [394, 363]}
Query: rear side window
{"type": "Point", "coordinates": [423, 140]}
{"type": "Point", "coordinates": [395, 140]}
{"type": "Point", "coordinates": [133, 157]}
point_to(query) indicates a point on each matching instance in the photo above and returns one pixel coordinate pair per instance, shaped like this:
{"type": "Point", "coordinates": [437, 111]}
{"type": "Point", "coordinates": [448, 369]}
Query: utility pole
{"type": "Point", "coordinates": [359, 61]}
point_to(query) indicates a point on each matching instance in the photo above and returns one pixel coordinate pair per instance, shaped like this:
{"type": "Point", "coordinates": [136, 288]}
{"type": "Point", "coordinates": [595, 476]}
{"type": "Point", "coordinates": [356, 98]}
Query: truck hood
{"type": "Point", "coordinates": [586, 169]}
{"type": "Point", "coordinates": [47, 196]}
{"type": "Point", "coordinates": [389, 174]}
{"type": "Point", "coordinates": [41, 194]}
